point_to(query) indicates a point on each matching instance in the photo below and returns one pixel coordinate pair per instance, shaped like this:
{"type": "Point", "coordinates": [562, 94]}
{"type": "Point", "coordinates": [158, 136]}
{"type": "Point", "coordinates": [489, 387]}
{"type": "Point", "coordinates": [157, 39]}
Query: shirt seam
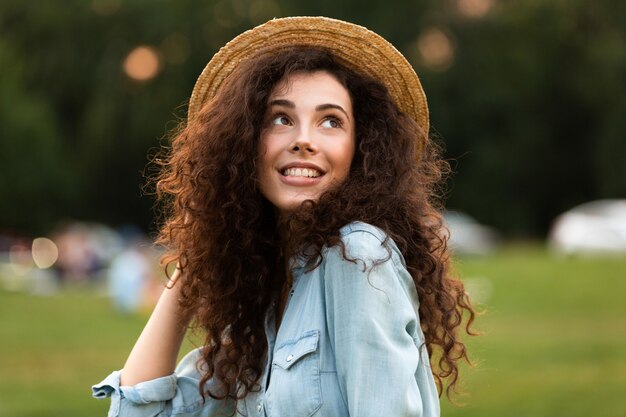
{"type": "Point", "coordinates": [385, 240]}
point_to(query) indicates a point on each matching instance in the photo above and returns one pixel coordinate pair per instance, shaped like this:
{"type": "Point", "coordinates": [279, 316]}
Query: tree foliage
{"type": "Point", "coordinates": [531, 108]}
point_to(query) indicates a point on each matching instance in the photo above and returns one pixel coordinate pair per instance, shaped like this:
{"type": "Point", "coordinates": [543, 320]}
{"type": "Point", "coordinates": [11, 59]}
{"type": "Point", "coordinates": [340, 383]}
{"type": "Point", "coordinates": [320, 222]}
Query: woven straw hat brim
{"type": "Point", "coordinates": [358, 48]}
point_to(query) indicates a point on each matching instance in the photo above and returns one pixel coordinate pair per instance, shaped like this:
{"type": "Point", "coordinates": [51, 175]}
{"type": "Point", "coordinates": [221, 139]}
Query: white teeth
{"type": "Point", "coordinates": [301, 172]}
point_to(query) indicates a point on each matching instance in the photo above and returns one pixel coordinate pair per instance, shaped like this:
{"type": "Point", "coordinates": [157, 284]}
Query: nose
{"type": "Point", "coordinates": [303, 143]}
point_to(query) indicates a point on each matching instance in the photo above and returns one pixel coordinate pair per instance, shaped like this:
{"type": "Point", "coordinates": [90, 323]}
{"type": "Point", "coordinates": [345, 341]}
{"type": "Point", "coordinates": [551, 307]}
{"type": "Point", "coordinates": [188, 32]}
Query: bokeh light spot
{"type": "Point", "coordinates": [45, 252]}
{"type": "Point", "coordinates": [142, 63]}
{"type": "Point", "coordinates": [474, 8]}
{"type": "Point", "coordinates": [435, 49]}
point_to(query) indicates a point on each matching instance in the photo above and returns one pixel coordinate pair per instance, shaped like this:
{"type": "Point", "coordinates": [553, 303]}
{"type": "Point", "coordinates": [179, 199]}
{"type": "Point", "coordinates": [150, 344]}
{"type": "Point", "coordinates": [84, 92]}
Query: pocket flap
{"type": "Point", "coordinates": [290, 352]}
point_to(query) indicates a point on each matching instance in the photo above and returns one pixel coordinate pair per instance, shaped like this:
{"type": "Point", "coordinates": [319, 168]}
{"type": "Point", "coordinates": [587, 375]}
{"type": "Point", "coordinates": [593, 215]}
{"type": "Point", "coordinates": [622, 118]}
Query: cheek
{"type": "Point", "coordinates": [343, 157]}
{"type": "Point", "coordinates": [269, 148]}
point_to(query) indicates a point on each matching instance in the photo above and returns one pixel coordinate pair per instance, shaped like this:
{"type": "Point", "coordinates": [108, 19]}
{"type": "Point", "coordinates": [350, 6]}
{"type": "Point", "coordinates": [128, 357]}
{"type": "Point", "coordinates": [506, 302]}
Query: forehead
{"type": "Point", "coordinates": [311, 85]}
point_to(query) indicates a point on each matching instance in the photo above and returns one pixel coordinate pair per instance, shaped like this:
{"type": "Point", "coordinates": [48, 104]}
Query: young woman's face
{"type": "Point", "coordinates": [307, 142]}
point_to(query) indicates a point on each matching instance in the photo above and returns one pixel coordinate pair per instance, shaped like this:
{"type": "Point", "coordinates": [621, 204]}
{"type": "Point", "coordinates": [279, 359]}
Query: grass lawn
{"type": "Point", "coordinates": [554, 342]}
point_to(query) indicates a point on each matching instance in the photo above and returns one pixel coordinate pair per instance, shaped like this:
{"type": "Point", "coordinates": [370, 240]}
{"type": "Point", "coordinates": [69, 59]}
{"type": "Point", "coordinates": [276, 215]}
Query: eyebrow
{"type": "Point", "coordinates": [321, 107]}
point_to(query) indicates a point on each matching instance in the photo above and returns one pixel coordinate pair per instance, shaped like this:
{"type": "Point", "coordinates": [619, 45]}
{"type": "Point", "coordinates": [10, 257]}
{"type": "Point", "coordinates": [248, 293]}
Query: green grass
{"type": "Point", "coordinates": [554, 342]}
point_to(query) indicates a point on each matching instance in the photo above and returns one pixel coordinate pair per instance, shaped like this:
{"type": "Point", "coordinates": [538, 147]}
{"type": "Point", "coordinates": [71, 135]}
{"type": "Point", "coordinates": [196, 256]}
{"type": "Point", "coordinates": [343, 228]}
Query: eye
{"type": "Point", "coordinates": [332, 122]}
{"type": "Point", "coordinates": [281, 120]}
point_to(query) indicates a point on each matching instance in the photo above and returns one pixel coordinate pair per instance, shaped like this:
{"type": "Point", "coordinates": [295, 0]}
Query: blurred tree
{"type": "Point", "coordinates": [533, 110]}
{"type": "Point", "coordinates": [36, 184]}
{"type": "Point", "coordinates": [528, 97]}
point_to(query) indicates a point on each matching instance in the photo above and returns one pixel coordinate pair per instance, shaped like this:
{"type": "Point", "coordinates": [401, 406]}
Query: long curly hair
{"type": "Point", "coordinates": [223, 233]}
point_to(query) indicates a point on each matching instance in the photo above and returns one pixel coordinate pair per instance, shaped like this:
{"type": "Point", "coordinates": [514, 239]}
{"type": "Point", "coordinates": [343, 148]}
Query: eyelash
{"type": "Point", "coordinates": [327, 118]}
{"type": "Point", "coordinates": [277, 116]}
{"type": "Point", "coordinates": [334, 119]}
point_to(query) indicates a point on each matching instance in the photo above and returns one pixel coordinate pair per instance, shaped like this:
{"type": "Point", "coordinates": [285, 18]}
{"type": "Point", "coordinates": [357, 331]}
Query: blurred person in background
{"type": "Point", "coordinates": [129, 276]}
{"type": "Point", "coordinates": [78, 261]}
{"type": "Point", "coordinates": [306, 243]}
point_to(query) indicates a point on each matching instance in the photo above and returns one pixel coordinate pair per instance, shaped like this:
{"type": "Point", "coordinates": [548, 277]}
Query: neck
{"type": "Point", "coordinates": [286, 241]}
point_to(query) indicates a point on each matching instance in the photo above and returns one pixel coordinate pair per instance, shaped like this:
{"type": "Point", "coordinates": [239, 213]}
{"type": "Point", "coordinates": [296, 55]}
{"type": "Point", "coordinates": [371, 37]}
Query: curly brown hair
{"type": "Point", "coordinates": [224, 234]}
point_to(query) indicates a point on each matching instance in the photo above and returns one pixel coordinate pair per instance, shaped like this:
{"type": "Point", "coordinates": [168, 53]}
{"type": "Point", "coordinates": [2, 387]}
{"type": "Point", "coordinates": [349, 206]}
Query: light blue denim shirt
{"type": "Point", "coordinates": [350, 344]}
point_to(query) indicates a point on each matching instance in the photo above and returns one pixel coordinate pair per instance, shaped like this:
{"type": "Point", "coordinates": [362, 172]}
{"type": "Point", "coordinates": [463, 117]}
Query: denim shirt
{"type": "Point", "coordinates": [350, 344]}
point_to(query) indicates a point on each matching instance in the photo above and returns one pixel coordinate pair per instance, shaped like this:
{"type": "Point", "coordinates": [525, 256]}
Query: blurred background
{"type": "Point", "coordinates": [528, 96]}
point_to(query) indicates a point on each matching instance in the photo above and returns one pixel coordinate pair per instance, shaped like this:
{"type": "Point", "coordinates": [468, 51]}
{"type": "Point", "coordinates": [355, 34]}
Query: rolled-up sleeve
{"type": "Point", "coordinates": [171, 395]}
{"type": "Point", "coordinates": [373, 322]}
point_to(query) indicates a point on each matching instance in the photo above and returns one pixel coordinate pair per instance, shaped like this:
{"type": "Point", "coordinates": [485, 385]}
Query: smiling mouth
{"type": "Point", "coordinates": [301, 172]}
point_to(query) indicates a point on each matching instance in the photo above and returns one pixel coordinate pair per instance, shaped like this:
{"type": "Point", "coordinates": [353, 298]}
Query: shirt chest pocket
{"type": "Point", "coordinates": [295, 385]}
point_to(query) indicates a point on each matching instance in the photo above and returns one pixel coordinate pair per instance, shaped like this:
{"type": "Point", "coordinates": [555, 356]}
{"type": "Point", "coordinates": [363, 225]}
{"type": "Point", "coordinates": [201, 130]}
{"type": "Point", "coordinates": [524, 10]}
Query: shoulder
{"type": "Point", "coordinates": [369, 265]}
{"type": "Point", "coordinates": [365, 243]}
{"type": "Point", "coordinates": [365, 240]}
{"type": "Point", "coordinates": [362, 231]}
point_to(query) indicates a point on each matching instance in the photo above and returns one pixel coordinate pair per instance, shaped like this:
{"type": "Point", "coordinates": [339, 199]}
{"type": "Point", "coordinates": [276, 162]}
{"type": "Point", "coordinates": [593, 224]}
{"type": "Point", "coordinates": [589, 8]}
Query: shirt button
{"type": "Point", "coordinates": [259, 408]}
{"type": "Point", "coordinates": [289, 358]}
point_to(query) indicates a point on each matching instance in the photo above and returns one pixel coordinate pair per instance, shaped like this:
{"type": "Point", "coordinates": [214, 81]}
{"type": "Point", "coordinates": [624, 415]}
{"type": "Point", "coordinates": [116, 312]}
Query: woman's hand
{"type": "Point", "coordinates": [155, 352]}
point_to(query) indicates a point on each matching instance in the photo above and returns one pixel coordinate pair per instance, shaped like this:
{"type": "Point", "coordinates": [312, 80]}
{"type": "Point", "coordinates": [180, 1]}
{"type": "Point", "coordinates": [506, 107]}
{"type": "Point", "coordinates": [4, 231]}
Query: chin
{"type": "Point", "coordinates": [287, 207]}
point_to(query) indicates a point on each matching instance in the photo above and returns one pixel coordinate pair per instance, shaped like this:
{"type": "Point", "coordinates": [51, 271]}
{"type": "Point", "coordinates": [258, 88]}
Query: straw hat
{"type": "Point", "coordinates": [356, 47]}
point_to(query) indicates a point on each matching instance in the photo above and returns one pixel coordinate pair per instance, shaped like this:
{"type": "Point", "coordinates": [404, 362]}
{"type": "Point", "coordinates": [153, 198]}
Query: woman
{"type": "Point", "coordinates": [306, 241]}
